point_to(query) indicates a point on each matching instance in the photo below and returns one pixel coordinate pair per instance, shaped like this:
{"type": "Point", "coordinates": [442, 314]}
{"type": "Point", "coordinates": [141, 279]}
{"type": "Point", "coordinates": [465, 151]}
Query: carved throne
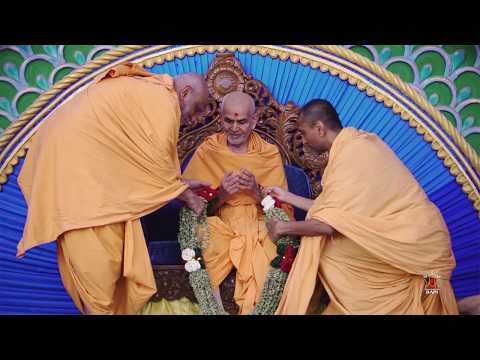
{"type": "Point", "coordinates": [276, 125]}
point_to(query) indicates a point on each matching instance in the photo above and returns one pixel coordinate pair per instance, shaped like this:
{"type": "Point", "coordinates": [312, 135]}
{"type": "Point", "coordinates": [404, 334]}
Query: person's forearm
{"type": "Point", "coordinates": [186, 195]}
{"type": "Point", "coordinates": [299, 202]}
{"type": "Point", "coordinates": [306, 228]}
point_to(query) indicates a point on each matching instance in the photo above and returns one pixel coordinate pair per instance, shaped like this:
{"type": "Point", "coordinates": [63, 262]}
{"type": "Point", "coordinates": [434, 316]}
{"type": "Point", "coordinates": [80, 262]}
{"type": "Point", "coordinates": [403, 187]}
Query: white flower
{"type": "Point", "coordinates": [268, 203]}
{"type": "Point", "coordinates": [192, 265]}
{"type": "Point", "coordinates": [188, 254]}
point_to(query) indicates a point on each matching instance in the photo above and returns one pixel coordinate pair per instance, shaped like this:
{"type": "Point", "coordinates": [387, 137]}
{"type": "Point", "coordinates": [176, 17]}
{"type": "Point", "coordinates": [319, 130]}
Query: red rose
{"type": "Point", "coordinates": [288, 258]}
{"type": "Point", "coordinates": [278, 203]}
{"type": "Point", "coordinates": [207, 193]}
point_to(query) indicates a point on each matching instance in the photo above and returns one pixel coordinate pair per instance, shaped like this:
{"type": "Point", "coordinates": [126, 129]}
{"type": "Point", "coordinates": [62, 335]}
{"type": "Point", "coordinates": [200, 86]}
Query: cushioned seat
{"type": "Point", "coordinates": [161, 227]}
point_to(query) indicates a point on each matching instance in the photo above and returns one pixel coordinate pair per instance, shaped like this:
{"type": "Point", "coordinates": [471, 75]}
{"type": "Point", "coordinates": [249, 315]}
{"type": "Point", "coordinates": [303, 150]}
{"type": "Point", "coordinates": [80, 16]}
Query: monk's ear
{"type": "Point", "coordinates": [320, 128]}
{"type": "Point", "coordinates": [254, 119]}
{"type": "Point", "coordinates": [185, 91]}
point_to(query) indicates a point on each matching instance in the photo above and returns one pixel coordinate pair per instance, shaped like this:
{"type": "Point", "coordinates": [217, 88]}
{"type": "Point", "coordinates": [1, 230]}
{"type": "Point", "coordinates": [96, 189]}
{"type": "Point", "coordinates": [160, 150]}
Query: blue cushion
{"type": "Point", "coordinates": [161, 227]}
{"type": "Point", "coordinates": [165, 252]}
{"type": "Point", "coordinates": [299, 185]}
{"type": "Point", "coordinates": [163, 224]}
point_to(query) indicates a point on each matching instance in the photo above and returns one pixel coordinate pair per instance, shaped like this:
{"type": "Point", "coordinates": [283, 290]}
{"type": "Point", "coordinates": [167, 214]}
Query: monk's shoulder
{"type": "Point", "coordinates": [157, 95]}
{"type": "Point", "coordinates": [268, 147]}
{"type": "Point", "coordinates": [362, 140]}
{"type": "Point", "coordinates": [366, 150]}
{"type": "Point", "coordinates": [210, 140]}
{"type": "Point", "coordinates": [209, 143]}
{"type": "Point", "coordinates": [141, 88]}
{"type": "Point", "coordinates": [272, 147]}
{"type": "Point", "coordinates": [148, 85]}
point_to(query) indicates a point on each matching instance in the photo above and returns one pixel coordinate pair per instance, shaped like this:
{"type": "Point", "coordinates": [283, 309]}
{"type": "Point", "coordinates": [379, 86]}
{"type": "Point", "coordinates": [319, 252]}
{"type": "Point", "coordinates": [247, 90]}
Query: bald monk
{"type": "Point", "coordinates": [372, 234]}
{"type": "Point", "coordinates": [94, 168]}
{"type": "Point", "coordinates": [238, 161]}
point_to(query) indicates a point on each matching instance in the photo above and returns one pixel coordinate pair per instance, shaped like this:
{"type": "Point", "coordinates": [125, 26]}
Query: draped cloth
{"type": "Point", "coordinates": [388, 236]}
{"type": "Point", "coordinates": [181, 306]}
{"type": "Point", "coordinates": [238, 236]}
{"type": "Point", "coordinates": [105, 158]}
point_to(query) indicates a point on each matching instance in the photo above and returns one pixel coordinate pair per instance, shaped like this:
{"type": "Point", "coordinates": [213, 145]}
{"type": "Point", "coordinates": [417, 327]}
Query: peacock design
{"type": "Point", "coordinates": [26, 71]}
{"type": "Point", "coordinates": [447, 75]}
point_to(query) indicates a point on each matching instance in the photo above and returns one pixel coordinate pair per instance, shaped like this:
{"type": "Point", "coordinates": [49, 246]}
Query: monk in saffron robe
{"type": "Point", "coordinates": [372, 238]}
{"type": "Point", "coordinates": [237, 161]}
{"type": "Point", "coordinates": [94, 168]}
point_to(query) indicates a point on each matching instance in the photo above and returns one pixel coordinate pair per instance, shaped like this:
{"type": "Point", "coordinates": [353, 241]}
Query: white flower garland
{"type": "Point", "coordinates": [198, 276]}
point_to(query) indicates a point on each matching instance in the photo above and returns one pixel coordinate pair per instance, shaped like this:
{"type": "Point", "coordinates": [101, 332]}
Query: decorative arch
{"type": "Point", "coordinates": [366, 95]}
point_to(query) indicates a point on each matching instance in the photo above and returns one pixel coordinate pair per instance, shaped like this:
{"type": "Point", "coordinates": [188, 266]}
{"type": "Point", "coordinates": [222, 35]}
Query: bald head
{"type": "Point", "coordinates": [319, 125]}
{"type": "Point", "coordinates": [321, 110]}
{"type": "Point", "coordinates": [192, 92]}
{"type": "Point", "coordinates": [238, 119]}
{"type": "Point", "coordinates": [194, 80]}
{"type": "Point", "coordinates": [237, 105]}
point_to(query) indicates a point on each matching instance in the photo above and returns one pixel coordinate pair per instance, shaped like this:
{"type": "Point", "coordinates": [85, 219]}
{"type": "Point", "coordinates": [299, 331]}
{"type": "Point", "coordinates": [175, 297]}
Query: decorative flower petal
{"type": "Point", "coordinates": [268, 203]}
{"type": "Point", "coordinates": [192, 265]}
{"type": "Point", "coordinates": [188, 254]}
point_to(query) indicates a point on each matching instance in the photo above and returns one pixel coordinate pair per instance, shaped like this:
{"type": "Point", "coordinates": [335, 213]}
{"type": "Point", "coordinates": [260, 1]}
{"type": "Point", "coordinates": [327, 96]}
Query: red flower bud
{"type": "Point", "coordinates": [278, 203]}
{"type": "Point", "coordinates": [207, 193]}
{"type": "Point", "coordinates": [288, 258]}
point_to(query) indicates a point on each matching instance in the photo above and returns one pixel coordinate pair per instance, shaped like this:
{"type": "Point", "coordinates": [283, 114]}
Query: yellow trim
{"type": "Point", "coordinates": [148, 56]}
{"type": "Point", "coordinates": [410, 115]}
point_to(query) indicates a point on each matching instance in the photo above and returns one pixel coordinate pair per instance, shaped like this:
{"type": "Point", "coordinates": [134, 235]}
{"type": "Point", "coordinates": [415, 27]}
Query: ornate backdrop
{"type": "Point", "coordinates": [447, 75]}
{"type": "Point", "coordinates": [422, 100]}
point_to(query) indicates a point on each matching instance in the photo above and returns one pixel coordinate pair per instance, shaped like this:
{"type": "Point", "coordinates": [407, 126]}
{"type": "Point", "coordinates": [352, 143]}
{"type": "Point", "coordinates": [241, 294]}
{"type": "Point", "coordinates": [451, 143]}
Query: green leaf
{"type": "Point", "coordinates": [276, 262]}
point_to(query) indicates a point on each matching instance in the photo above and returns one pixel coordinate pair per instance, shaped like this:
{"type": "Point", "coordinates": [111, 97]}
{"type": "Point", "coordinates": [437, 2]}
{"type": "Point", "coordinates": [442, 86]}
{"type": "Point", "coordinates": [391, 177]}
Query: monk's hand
{"type": "Point", "coordinates": [276, 192]}
{"type": "Point", "coordinates": [229, 185]}
{"type": "Point", "coordinates": [248, 182]}
{"type": "Point", "coordinates": [275, 229]}
{"type": "Point", "coordinates": [196, 203]}
{"type": "Point", "coordinates": [196, 184]}
{"type": "Point", "coordinates": [193, 201]}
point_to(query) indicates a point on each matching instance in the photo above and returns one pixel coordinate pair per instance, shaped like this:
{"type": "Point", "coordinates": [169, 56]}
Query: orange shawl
{"type": "Point", "coordinates": [108, 155]}
{"type": "Point", "coordinates": [388, 235]}
{"type": "Point", "coordinates": [213, 159]}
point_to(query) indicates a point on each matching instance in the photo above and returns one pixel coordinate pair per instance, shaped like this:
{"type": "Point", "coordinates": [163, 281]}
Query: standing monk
{"type": "Point", "coordinates": [94, 168]}
{"type": "Point", "coordinates": [238, 161]}
{"type": "Point", "coordinates": [373, 238]}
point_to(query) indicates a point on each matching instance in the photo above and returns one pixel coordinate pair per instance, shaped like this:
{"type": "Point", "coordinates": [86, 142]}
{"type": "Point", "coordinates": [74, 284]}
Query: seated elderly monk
{"type": "Point", "coordinates": [238, 161]}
